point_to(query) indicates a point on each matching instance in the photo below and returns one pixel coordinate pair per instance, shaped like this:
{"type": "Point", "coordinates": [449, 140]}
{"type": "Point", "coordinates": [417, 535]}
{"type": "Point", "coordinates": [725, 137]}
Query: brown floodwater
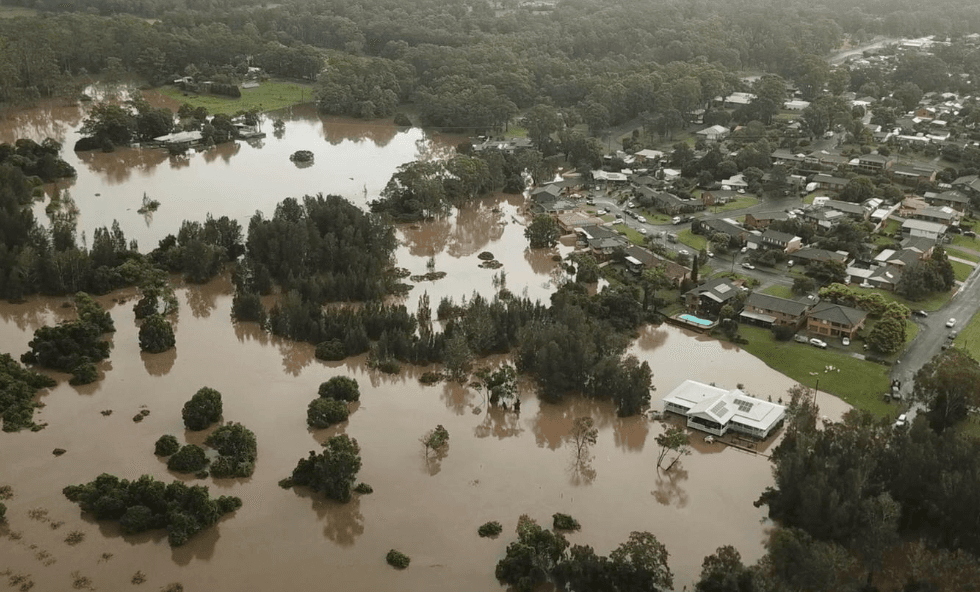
{"type": "Point", "coordinates": [498, 465]}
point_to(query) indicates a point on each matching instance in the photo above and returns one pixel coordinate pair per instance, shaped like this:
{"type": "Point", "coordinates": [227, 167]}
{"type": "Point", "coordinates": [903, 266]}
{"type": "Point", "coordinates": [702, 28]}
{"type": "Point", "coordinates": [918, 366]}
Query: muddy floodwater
{"type": "Point", "coordinates": [498, 466]}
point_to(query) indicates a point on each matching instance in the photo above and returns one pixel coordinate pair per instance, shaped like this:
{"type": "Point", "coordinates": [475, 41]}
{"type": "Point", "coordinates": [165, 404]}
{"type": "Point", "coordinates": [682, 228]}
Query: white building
{"type": "Point", "coordinates": [931, 230]}
{"type": "Point", "coordinates": [716, 410]}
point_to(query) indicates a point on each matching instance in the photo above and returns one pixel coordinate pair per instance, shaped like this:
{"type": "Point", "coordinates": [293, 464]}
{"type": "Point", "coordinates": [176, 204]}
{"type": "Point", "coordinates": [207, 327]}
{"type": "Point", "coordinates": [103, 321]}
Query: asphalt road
{"type": "Point", "coordinates": [933, 331]}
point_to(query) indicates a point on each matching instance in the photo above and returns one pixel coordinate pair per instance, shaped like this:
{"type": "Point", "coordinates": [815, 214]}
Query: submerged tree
{"type": "Point", "coordinates": [673, 439]}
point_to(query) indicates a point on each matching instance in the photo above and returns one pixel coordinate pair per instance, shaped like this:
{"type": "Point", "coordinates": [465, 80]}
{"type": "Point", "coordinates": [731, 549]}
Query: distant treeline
{"type": "Point", "coordinates": [467, 66]}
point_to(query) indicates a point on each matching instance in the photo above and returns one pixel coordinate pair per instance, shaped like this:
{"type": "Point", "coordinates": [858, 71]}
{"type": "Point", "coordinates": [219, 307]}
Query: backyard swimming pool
{"type": "Point", "coordinates": [695, 320]}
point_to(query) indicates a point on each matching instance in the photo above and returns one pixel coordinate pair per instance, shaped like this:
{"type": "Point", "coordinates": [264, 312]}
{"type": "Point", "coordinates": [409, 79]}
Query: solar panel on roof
{"type": "Point", "coordinates": [744, 406]}
{"type": "Point", "coordinates": [719, 409]}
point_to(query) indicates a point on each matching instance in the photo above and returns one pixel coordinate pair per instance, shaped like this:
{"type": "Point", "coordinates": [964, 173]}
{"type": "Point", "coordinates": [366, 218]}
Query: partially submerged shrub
{"type": "Point", "coordinates": [397, 559]}
{"type": "Point", "coordinates": [489, 529]}
{"type": "Point", "coordinates": [166, 445]}
{"type": "Point", "coordinates": [341, 388]}
{"type": "Point", "coordinates": [565, 522]}
{"type": "Point", "coordinates": [323, 413]}
{"type": "Point", "coordinates": [189, 459]}
{"type": "Point", "coordinates": [364, 488]}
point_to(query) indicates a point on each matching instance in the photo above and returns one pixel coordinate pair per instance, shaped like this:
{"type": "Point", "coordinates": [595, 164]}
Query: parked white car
{"type": "Point", "coordinates": [951, 323]}
{"type": "Point", "coordinates": [846, 341]}
{"type": "Point", "coordinates": [818, 343]}
{"type": "Point", "coordinates": [901, 421]}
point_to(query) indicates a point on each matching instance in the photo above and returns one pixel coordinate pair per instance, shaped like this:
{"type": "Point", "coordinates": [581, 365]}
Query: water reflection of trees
{"type": "Point", "coordinates": [339, 129]}
{"type": "Point", "coordinates": [224, 150]}
{"type": "Point", "coordinates": [296, 355]}
{"type": "Point", "coordinates": [554, 421]}
{"type": "Point", "coordinates": [35, 313]}
{"type": "Point", "coordinates": [432, 459]}
{"type": "Point", "coordinates": [500, 423]}
{"type": "Point", "coordinates": [47, 120]}
{"type": "Point", "coordinates": [630, 433]}
{"type": "Point", "coordinates": [200, 547]}
{"type": "Point", "coordinates": [159, 364]}
{"type": "Point", "coordinates": [203, 298]}
{"type": "Point", "coordinates": [117, 166]}
{"type": "Point", "coordinates": [542, 261]}
{"type": "Point", "coordinates": [670, 491]}
{"type": "Point", "coordinates": [344, 522]}
{"type": "Point", "coordinates": [652, 337]}
{"type": "Point", "coordinates": [457, 397]}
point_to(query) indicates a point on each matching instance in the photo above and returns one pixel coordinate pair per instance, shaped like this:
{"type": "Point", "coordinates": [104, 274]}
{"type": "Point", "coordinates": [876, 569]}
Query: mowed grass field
{"type": "Point", "coordinates": [269, 96]}
{"type": "Point", "coordinates": [858, 382]}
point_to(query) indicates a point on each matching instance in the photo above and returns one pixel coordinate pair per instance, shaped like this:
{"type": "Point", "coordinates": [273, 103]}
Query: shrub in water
{"type": "Point", "coordinates": [397, 559]}
{"type": "Point", "coordinates": [490, 529]}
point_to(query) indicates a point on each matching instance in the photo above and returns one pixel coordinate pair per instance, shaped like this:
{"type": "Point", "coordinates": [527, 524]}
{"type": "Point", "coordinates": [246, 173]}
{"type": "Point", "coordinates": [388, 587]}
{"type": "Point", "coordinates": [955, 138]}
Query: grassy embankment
{"type": "Point", "coordinates": [859, 383]}
{"type": "Point", "coordinates": [269, 96]}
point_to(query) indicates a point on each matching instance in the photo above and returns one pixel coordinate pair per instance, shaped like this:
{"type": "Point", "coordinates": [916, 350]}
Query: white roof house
{"type": "Point", "coordinates": [716, 410]}
{"type": "Point", "coordinates": [923, 228]}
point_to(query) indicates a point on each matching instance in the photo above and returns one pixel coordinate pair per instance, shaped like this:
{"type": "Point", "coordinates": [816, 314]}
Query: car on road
{"type": "Point", "coordinates": [951, 323]}
{"type": "Point", "coordinates": [676, 220]}
{"type": "Point", "coordinates": [901, 421]}
{"type": "Point", "coordinates": [631, 205]}
{"type": "Point", "coordinates": [682, 252]}
{"type": "Point", "coordinates": [846, 341]}
{"type": "Point", "coordinates": [643, 231]}
{"type": "Point", "coordinates": [744, 250]}
{"type": "Point", "coordinates": [748, 265]}
{"type": "Point", "coordinates": [920, 313]}
{"type": "Point", "coordinates": [619, 216]}
{"type": "Point", "coordinates": [710, 254]}
{"type": "Point", "coordinates": [601, 213]}
{"type": "Point", "coordinates": [801, 338]}
{"type": "Point", "coordinates": [818, 343]}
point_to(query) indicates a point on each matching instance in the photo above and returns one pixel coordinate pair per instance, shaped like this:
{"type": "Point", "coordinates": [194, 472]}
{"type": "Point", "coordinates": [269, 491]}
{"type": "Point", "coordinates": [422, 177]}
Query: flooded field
{"type": "Point", "coordinates": [499, 464]}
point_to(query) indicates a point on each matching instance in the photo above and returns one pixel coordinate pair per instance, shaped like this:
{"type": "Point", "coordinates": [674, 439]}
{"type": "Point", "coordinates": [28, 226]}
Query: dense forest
{"type": "Point", "coordinates": [466, 65]}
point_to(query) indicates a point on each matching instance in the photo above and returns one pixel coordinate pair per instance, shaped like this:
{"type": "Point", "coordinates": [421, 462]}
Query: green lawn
{"type": "Point", "coordinates": [962, 255]}
{"type": "Point", "coordinates": [631, 234]}
{"type": "Point", "coordinates": [271, 95]}
{"type": "Point", "coordinates": [969, 336]}
{"type": "Point", "coordinates": [779, 291]}
{"type": "Point", "coordinates": [746, 201]}
{"type": "Point", "coordinates": [961, 270]}
{"type": "Point", "coordinates": [960, 240]}
{"type": "Point", "coordinates": [859, 383]}
{"type": "Point", "coordinates": [695, 241]}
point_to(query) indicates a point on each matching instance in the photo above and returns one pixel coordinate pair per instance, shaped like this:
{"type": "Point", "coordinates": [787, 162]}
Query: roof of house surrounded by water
{"type": "Point", "coordinates": [731, 409]}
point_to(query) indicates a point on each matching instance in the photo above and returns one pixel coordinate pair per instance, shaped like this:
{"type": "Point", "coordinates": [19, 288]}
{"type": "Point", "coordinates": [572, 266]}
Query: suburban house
{"type": "Point", "coordinates": [786, 158]}
{"type": "Point", "coordinates": [872, 163]}
{"type": "Point", "coordinates": [824, 217]}
{"type": "Point", "coordinates": [952, 199]}
{"type": "Point", "coordinates": [813, 255]}
{"type": "Point", "coordinates": [762, 220]}
{"type": "Point", "coordinates": [545, 203]}
{"type": "Point", "coordinates": [970, 185]}
{"type": "Point", "coordinates": [638, 259]}
{"type": "Point", "coordinates": [783, 241]}
{"type": "Point", "coordinates": [943, 215]}
{"type": "Point", "coordinates": [885, 277]}
{"type": "Point", "coordinates": [709, 297]}
{"type": "Point", "coordinates": [922, 246]}
{"type": "Point", "coordinates": [913, 175]}
{"type": "Point", "coordinates": [851, 210]}
{"type": "Point", "coordinates": [922, 228]}
{"type": "Point", "coordinates": [718, 411]}
{"type": "Point", "coordinates": [765, 310]}
{"type": "Point", "coordinates": [715, 197]}
{"type": "Point", "coordinates": [648, 155]}
{"type": "Point", "coordinates": [830, 183]}
{"type": "Point", "coordinates": [725, 226]}
{"type": "Point", "coordinates": [508, 145]}
{"type": "Point", "coordinates": [600, 240]}
{"type": "Point", "coordinates": [669, 203]}
{"type": "Point", "coordinates": [715, 133]}
{"type": "Point", "coordinates": [835, 320]}
{"type": "Point", "coordinates": [569, 221]}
